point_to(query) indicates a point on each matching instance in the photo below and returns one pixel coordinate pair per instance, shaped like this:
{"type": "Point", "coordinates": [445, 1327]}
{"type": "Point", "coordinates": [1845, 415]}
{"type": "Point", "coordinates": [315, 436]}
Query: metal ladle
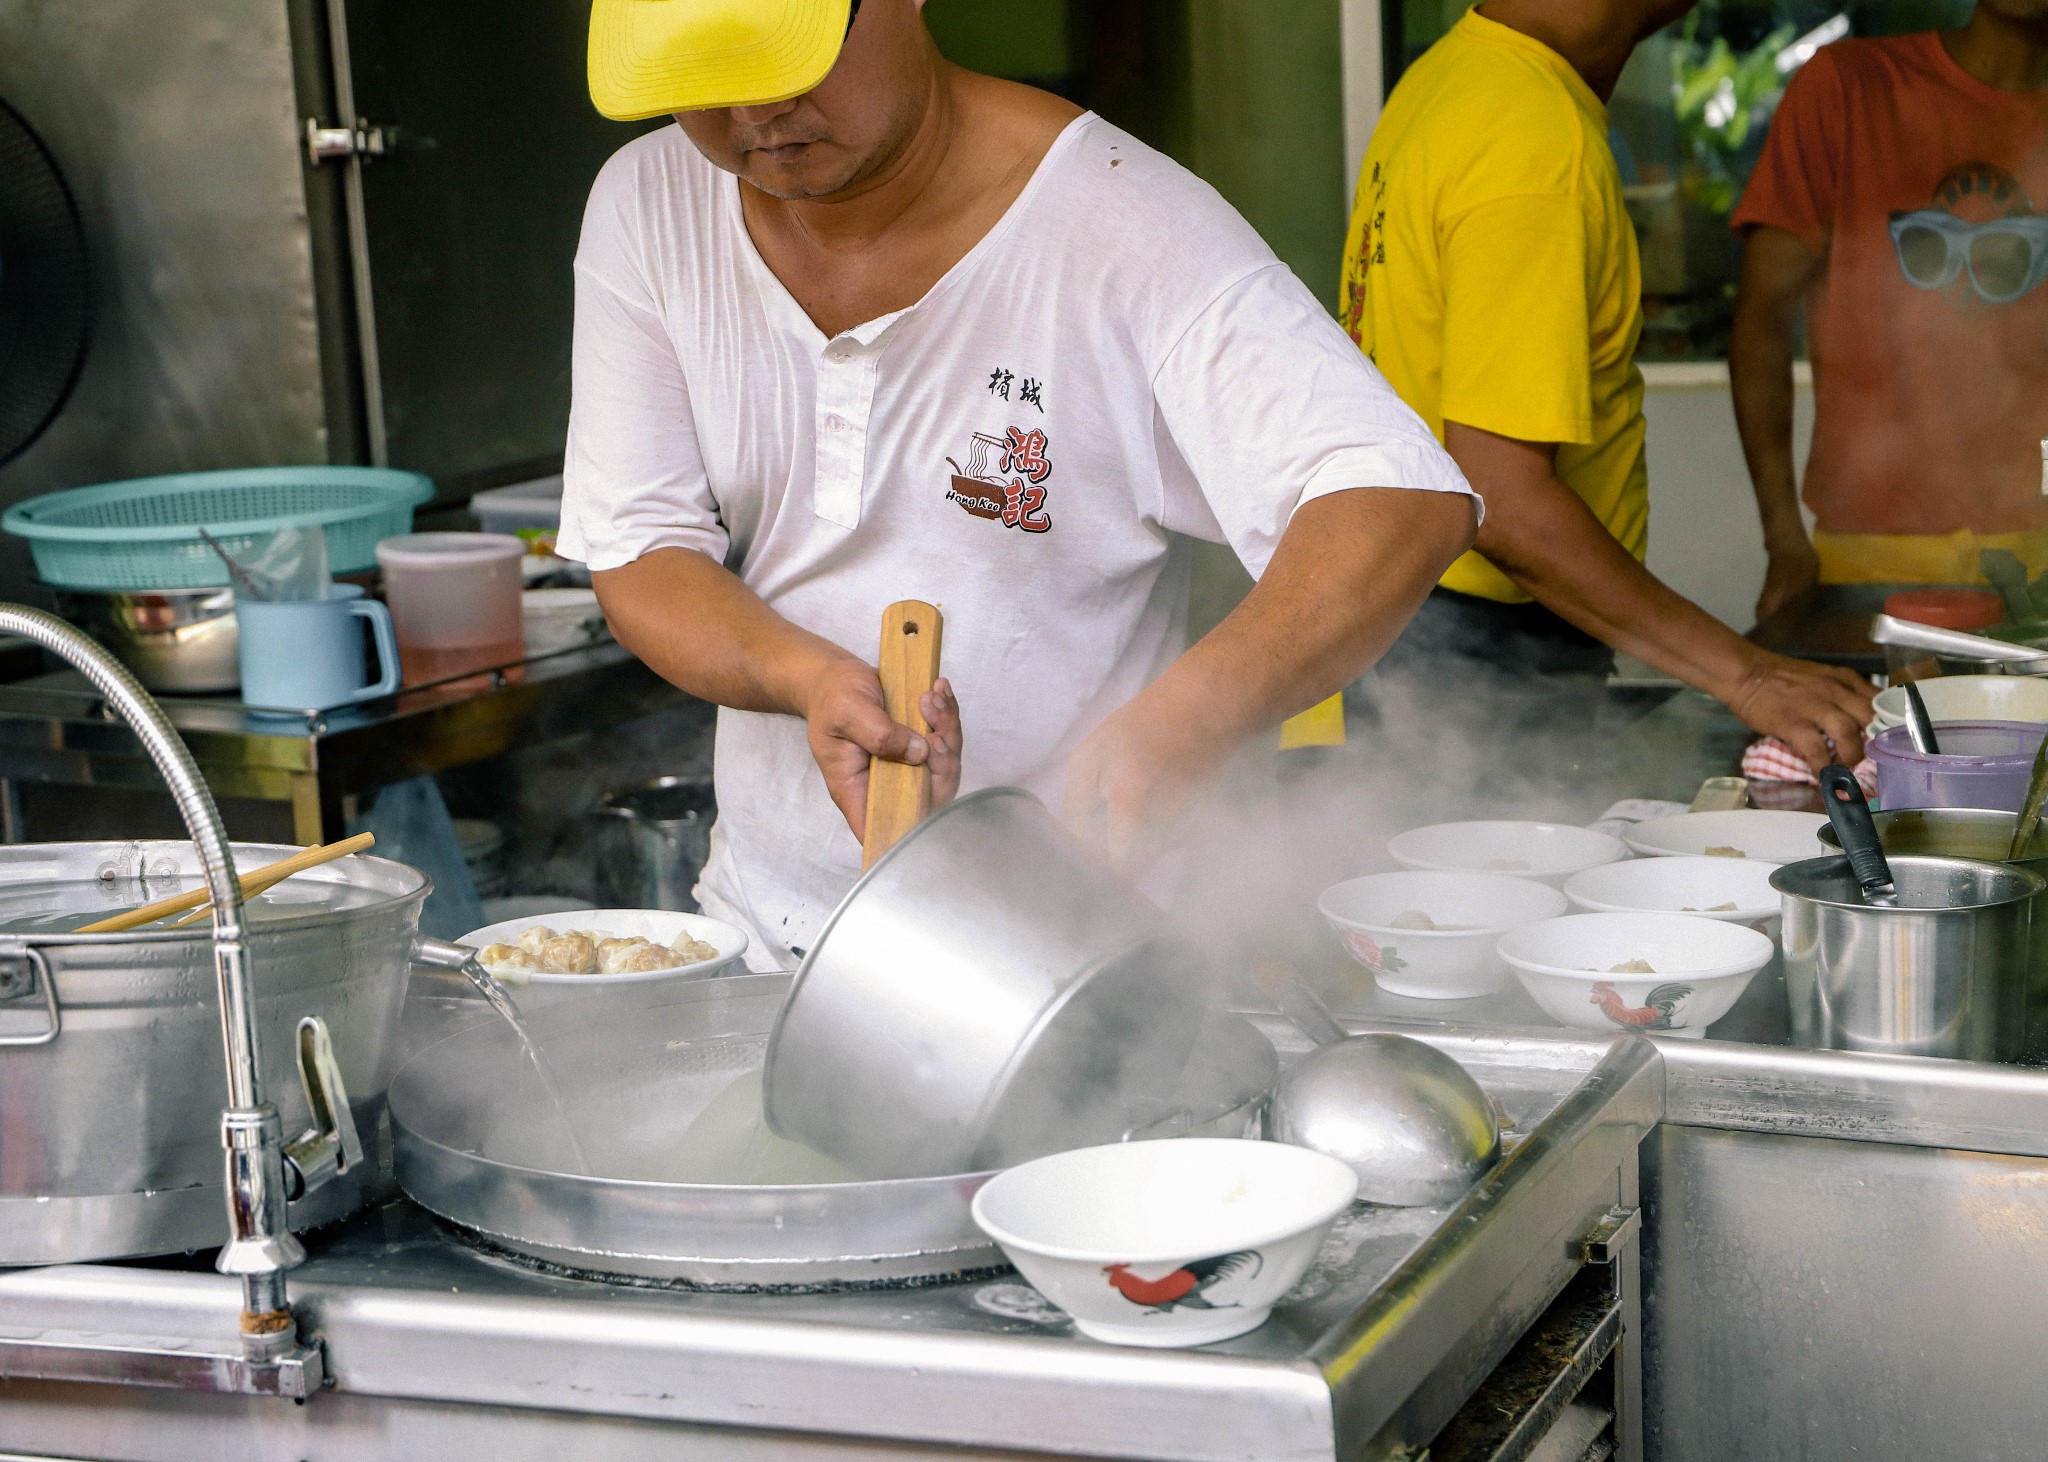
{"type": "Point", "coordinates": [1410, 1121]}
{"type": "Point", "coordinates": [2030, 810]}
{"type": "Point", "coordinates": [1920, 725]}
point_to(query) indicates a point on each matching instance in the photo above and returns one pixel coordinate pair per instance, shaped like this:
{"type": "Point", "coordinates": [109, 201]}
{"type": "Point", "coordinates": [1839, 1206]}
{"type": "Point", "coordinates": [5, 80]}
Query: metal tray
{"type": "Point", "coordinates": [480, 1142]}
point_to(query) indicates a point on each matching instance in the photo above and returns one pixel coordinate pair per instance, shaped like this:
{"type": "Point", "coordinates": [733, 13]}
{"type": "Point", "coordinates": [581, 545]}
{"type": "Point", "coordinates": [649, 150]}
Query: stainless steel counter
{"type": "Point", "coordinates": [1402, 1316]}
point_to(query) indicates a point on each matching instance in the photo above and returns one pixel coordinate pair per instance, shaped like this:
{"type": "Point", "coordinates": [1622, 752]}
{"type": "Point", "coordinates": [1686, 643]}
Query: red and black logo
{"type": "Point", "coordinates": [1004, 480]}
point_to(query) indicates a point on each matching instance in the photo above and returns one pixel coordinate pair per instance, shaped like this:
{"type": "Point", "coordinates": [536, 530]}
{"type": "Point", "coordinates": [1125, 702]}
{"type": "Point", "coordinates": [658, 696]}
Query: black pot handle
{"type": "Point", "coordinates": [1850, 813]}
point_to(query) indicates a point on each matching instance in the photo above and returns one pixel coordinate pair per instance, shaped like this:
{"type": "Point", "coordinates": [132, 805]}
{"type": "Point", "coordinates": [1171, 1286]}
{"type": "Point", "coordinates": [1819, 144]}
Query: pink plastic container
{"type": "Point", "coordinates": [454, 600]}
{"type": "Point", "coordinates": [1982, 764]}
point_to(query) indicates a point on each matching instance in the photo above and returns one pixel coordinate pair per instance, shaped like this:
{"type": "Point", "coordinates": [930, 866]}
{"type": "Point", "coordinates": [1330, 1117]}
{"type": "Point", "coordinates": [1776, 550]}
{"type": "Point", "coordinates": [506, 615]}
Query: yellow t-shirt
{"type": "Point", "coordinates": [1491, 269]}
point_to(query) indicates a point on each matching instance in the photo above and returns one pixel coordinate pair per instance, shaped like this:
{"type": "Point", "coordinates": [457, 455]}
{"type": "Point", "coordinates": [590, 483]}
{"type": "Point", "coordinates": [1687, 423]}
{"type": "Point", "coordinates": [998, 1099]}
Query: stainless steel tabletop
{"type": "Point", "coordinates": [408, 1312]}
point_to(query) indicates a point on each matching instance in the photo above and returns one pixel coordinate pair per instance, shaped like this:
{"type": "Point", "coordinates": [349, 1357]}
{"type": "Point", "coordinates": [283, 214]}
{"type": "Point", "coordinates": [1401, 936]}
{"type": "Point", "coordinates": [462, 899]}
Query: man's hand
{"type": "Point", "coordinates": [1806, 706]}
{"type": "Point", "coordinates": [1545, 539]}
{"type": "Point", "coordinates": [1346, 577]}
{"type": "Point", "coordinates": [691, 618]}
{"type": "Point", "coordinates": [848, 726]}
{"type": "Point", "coordinates": [1793, 570]}
{"type": "Point", "coordinates": [1130, 777]}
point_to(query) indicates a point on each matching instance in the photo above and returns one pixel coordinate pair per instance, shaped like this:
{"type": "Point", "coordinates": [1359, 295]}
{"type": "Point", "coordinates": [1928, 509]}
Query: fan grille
{"type": "Point", "coordinates": [45, 287]}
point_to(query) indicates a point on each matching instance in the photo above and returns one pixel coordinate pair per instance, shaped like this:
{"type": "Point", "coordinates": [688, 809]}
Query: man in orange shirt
{"type": "Point", "coordinates": [1901, 197]}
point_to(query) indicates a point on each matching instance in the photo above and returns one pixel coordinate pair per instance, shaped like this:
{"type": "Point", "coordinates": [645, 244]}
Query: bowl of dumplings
{"type": "Point", "coordinates": [606, 947]}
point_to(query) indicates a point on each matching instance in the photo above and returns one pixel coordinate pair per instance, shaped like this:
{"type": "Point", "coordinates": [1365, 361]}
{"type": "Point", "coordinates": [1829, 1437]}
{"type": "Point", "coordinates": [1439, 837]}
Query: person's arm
{"type": "Point", "coordinates": [1777, 270]}
{"type": "Point", "coordinates": [1349, 572]}
{"type": "Point", "coordinates": [700, 628]}
{"type": "Point", "coordinates": [1541, 535]}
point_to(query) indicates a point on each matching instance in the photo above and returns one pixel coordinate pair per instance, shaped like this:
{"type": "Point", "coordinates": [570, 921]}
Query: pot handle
{"type": "Point", "coordinates": [1850, 815]}
{"type": "Point", "coordinates": [900, 795]}
{"type": "Point", "coordinates": [23, 971]}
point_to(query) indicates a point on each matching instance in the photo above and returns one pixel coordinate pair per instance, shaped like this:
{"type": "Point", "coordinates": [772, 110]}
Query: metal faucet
{"type": "Point", "coordinates": [260, 1247]}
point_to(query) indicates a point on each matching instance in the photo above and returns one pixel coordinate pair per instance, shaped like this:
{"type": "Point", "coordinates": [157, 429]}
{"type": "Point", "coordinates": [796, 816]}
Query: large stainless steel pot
{"type": "Point", "coordinates": [1975, 832]}
{"type": "Point", "coordinates": [1942, 974]}
{"type": "Point", "coordinates": [111, 1082]}
{"type": "Point", "coordinates": [181, 640]}
{"type": "Point", "coordinates": [984, 995]}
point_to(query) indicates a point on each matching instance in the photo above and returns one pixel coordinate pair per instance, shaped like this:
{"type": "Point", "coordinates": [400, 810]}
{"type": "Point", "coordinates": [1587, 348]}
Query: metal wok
{"type": "Point", "coordinates": [481, 1142]}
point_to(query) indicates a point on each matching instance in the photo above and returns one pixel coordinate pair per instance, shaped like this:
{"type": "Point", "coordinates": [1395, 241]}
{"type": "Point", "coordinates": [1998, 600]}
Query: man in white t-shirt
{"type": "Point", "coordinates": [915, 333]}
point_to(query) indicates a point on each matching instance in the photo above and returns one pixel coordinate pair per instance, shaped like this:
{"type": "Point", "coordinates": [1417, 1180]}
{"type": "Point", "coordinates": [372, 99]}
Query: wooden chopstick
{"type": "Point", "coordinates": [252, 883]}
{"type": "Point", "coordinates": [264, 879]}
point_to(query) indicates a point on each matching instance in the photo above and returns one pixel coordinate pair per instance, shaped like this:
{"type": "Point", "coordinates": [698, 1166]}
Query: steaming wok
{"type": "Point", "coordinates": [480, 1142]}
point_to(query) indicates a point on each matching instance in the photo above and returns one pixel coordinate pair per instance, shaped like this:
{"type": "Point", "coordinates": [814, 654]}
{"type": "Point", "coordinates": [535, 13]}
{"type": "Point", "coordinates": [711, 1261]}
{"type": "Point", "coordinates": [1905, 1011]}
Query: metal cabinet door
{"type": "Point", "coordinates": [464, 225]}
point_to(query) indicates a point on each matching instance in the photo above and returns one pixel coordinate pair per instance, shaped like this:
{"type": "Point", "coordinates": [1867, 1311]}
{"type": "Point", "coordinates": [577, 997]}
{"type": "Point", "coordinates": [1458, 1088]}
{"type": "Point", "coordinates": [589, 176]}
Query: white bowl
{"type": "Point", "coordinates": [1682, 886]}
{"type": "Point", "coordinates": [1701, 969]}
{"type": "Point", "coordinates": [1970, 698]}
{"type": "Point", "coordinates": [561, 619]}
{"type": "Point", "coordinates": [1167, 1243]}
{"type": "Point", "coordinates": [663, 926]}
{"type": "Point", "coordinates": [1453, 963]}
{"type": "Point", "coordinates": [1773, 837]}
{"type": "Point", "coordinates": [1546, 851]}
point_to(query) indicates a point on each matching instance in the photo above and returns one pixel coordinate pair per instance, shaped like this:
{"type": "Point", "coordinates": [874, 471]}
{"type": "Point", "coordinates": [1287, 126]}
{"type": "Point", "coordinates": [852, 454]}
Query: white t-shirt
{"type": "Point", "coordinates": [1119, 366]}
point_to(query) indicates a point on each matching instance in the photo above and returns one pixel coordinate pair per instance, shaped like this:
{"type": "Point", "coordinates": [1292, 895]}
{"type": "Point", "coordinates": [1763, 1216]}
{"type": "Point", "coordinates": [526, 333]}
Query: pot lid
{"type": "Point", "coordinates": [52, 888]}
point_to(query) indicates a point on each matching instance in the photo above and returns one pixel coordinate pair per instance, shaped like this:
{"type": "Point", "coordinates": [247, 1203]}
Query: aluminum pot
{"type": "Point", "coordinates": [653, 842]}
{"type": "Point", "coordinates": [984, 995]}
{"type": "Point", "coordinates": [182, 640]}
{"type": "Point", "coordinates": [111, 1082]}
{"type": "Point", "coordinates": [1975, 832]}
{"type": "Point", "coordinates": [1942, 974]}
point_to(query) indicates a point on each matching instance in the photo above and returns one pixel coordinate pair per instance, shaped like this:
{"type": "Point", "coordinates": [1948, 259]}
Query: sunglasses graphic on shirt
{"type": "Point", "coordinates": [2004, 257]}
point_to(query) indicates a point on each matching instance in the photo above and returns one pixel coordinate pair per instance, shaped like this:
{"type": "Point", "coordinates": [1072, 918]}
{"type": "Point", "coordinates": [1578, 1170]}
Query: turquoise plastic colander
{"type": "Point", "coordinates": [144, 533]}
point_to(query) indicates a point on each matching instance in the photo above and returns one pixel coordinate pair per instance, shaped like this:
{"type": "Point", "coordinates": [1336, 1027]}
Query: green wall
{"type": "Point", "coordinates": [1267, 115]}
{"type": "Point", "coordinates": [1246, 93]}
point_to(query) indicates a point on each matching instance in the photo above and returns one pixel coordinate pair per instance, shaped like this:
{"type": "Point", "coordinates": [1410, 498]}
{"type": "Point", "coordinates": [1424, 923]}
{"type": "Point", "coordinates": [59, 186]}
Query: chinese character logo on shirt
{"type": "Point", "coordinates": [1004, 479]}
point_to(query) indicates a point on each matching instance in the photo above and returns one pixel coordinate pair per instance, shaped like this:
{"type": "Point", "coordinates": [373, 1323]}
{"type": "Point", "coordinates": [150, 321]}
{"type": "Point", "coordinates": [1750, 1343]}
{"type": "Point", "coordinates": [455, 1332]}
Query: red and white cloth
{"type": "Point", "coordinates": [1770, 760]}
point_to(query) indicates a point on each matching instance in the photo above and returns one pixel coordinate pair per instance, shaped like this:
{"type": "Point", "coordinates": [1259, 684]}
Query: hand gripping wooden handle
{"type": "Point", "coordinates": [900, 795]}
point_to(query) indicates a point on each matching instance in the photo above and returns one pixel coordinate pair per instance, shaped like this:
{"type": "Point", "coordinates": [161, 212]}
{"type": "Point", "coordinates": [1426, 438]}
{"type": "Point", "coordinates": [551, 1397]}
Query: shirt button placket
{"type": "Point", "coordinates": [845, 393]}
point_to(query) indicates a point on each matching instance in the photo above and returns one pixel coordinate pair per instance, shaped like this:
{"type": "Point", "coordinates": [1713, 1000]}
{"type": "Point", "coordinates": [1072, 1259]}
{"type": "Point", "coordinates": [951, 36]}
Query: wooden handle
{"type": "Point", "coordinates": [252, 884]}
{"type": "Point", "coordinates": [900, 795]}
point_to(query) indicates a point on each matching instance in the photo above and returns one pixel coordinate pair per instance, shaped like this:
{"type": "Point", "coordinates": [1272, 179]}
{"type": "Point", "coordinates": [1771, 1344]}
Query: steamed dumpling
{"type": "Point", "coordinates": [533, 940]}
{"type": "Point", "coordinates": [570, 954]}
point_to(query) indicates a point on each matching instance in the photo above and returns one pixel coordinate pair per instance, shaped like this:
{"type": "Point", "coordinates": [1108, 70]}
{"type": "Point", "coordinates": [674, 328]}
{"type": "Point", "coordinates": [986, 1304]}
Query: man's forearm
{"type": "Point", "coordinates": [1760, 356]}
{"type": "Point", "coordinates": [701, 629]}
{"type": "Point", "coordinates": [1557, 551]}
{"type": "Point", "coordinates": [1345, 579]}
{"type": "Point", "coordinates": [1777, 270]}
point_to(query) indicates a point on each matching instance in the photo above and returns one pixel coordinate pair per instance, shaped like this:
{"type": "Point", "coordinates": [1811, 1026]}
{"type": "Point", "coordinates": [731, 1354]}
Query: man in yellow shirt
{"type": "Point", "coordinates": [1491, 273]}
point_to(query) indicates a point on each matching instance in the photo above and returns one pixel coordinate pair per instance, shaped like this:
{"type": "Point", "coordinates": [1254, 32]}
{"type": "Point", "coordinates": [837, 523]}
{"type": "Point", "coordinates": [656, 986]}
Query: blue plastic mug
{"type": "Point", "coordinates": [307, 655]}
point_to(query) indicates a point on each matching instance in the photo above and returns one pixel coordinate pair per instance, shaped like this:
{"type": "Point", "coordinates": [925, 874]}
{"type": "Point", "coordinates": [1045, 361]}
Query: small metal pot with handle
{"type": "Point", "coordinates": [1975, 832]}
{"type": "Point", "coordinates": [985, 994]}
{"type": "Point", "coordinates": [1941, 972]}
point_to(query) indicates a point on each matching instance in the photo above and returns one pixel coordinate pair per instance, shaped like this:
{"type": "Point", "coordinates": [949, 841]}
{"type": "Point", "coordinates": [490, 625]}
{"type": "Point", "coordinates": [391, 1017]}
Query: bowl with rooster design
{"type": "Point", "coordinates": [1176, 1243]}
{"type": "Point", "coordinates": [1649, 973]}
{"type": "Point", "coordinates": [1432, 936]}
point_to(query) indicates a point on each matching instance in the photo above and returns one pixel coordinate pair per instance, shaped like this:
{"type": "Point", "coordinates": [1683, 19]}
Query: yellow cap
{"type": "Point", "coordinates": [648, 57]}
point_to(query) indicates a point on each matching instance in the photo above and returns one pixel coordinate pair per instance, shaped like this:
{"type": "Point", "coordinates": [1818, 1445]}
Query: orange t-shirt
{"type": "Point", "coordinates": [1920, 185]}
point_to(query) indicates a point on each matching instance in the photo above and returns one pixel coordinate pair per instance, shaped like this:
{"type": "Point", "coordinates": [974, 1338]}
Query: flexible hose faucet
{"type": "Point", "coordinates": [260, 1247]}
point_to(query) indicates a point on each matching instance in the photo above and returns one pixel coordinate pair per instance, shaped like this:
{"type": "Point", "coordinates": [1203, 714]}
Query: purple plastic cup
{"type": "Point", "coordinates": [1982, 764]}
